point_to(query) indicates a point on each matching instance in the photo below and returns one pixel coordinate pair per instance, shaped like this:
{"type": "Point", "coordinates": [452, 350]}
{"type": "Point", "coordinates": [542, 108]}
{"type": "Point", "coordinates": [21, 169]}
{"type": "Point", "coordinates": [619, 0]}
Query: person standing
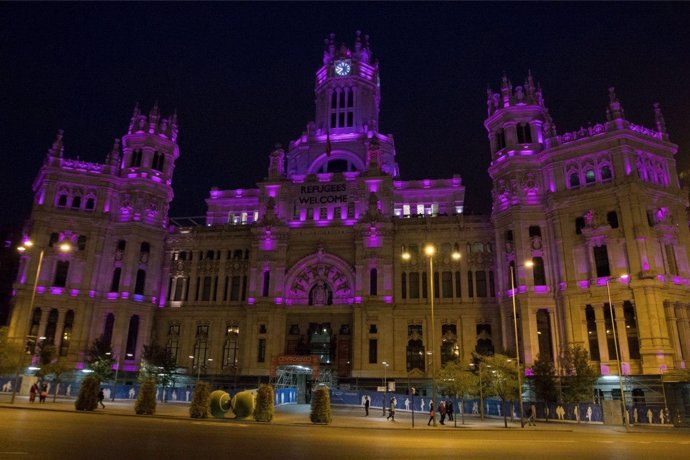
{"type": "Point", "coordinates": [101, 397]}
{"type": "Point", "coordinates": [532, 415]}
{"type": "Point", "coordinates": [366, 406]}
{"type": "Point", "coordinates": [43, 394]}
{"type": "Point", "coordinates": [432, 413]}
{"type": "Point", "coordinates": [442, 411]}
{"type": "Point", "coordinates": [449, 410]}
{"type": "Point", "coordinates": [32, 392]}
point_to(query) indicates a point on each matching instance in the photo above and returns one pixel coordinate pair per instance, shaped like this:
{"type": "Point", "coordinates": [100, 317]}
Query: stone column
{"type": "Point", "coordinates": [601, 335]}
{"type": "Point", "coordinates": [622, 332]}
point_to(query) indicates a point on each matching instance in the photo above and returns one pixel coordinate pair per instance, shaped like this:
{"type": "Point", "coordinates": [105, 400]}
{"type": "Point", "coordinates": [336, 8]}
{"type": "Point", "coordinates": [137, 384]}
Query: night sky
{"type": "Point", "coordinates": [241, 76]}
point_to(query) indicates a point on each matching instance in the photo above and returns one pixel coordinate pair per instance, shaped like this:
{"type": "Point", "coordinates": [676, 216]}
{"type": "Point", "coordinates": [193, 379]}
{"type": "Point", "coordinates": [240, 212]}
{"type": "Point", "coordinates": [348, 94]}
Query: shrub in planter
{"type": "Point", "coordinates": [321, 406]}
{"type": "Point", "coordinates": [200, 401]}
{"type": "Point", "coordinates": [88, 394]}
{"type": "Point", "coordinates": [220, 402]}
{"type": "Point", "coordinates": [146, 402]}
{"type": "Point", "coordinates": [265, 406]}
{"type": "Point", "coordinates": [243, 404]}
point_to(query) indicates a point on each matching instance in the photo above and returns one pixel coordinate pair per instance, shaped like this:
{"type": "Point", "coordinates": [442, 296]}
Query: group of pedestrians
{"type": "Point", "coordinates": [40, 389]}
{"type": "Point", "coordinates": [445, 409]}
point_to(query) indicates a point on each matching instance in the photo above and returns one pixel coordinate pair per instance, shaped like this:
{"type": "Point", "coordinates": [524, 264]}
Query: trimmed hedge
{"type": "Point", "coordinates": [321, 406]}
{"type": "Point", "coordinates": [220, 402]}
{"type": "Point", "coordinates": [243, 404]}
{"type": "Point", "coordinates": [200, 401]}
{"type": "Point", "coordinates": [265, 405]}
{"type": "Point", "coordinates": [88, 394]}
{"type": "Point", "coordinates": [146, 401]}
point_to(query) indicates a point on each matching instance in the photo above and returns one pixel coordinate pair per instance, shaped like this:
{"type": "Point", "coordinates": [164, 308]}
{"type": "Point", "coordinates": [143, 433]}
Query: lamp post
{"type": "Point", "coordinates": [430, 251]}
{"type": "Point", "coordinates": [198, 367]}
{"type": "Point", "coordinates": [385, 387]}
{"type": "Point", "coordinates": [117, 371]}
{"type": "Point", "coordinates": [64, 247]}
{"type": "Point", "coordinates": [615, 345]}
{"type": "Point", "coordinates": [528, 263]}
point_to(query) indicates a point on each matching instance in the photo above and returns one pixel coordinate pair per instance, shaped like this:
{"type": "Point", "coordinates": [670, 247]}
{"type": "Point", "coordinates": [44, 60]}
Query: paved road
{"type": "Point", "coordinates": [59, 434]}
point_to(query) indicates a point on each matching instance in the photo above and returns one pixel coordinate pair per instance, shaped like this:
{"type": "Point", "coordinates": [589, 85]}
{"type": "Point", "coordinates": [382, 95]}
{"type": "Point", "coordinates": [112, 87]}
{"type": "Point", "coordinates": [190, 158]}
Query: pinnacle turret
{"type": "Point", "coordinates": [57, 149]}
{"type": "Point", "coordinates": [614, 111]}
{"type": "Point", "coordinates": [113, 158]}
{"type": "Point", "coordinates": [660, 122]}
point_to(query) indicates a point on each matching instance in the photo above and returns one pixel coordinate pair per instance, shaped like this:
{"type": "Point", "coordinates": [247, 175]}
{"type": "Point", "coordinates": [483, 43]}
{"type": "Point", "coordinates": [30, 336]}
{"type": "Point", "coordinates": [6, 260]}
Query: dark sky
{"type": "Point", "coordinates": [241, 76]}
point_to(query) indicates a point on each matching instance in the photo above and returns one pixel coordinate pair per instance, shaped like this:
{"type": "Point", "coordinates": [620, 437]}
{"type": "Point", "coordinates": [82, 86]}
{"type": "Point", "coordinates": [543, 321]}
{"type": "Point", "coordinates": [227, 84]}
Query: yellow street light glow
{"type": "Point", "coordinates": [28, 243]}
{"type": "Point", "coordinates": [65, 247]}
{"type": "Point", "coordinates": [406, 256]}
{"type": "Point", "coordinates": [456, 255]}
{"type": "Point", "coordinates": [429, 250]}
{"type": "Point", "coordinates": [529, 264]}
{"type": "Point", "coordinates": [624, 276]}
{"type": "Point", "coordinates": [21, 249]}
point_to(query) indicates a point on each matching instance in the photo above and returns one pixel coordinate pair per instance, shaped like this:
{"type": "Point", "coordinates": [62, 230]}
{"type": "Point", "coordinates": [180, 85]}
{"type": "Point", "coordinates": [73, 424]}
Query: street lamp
{"type": "Point", "coordinates": [385, 387]}
{"type": "Point", "coordinates": [117, 371]}
{"type": "Point", "coordinates": [430, 251]}
{"type": "Point", "coordinates": [64, 247]}
{"type": "Point", "coordinates": [528, 264]}
{"type": "Point", "coordinates": [615, 344]}
{"type": "Point", "coordinates": [198, 367]}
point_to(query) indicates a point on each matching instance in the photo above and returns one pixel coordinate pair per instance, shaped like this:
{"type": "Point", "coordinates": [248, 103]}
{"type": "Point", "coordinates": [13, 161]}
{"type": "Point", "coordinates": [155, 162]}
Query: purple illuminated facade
{"type": "Point", "coordinates": [309, 262]}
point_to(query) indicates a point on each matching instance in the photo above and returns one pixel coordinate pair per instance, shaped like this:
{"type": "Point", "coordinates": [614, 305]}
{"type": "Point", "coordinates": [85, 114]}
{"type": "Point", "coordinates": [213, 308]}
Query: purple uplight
{"type": "Point", "coordinates": [605, 369]}
{"type": "Point", "coordinates": [541, 289]}
{"type": "Point", "coordinates": [40, 290]}
{"type": "Point", "coordinates": [660, 277]}
{"type": "Point", "coordinates": [138, 297]}
{"type": "Point", "coordinates": [124, 295]}
{"type": "Point", "coordinates": [278, 300]}
{"type": "Point", "coordinates": [92, 293]}
{"type": "Point", "coordinates": [625, 368]}
{"type": "Point", "coordinates": [677, 280]}
{"type": "Point", "coordinates": [74, 292]}
{"type": "Point", "coordinates": [602, 281]}
{"type": "Point", "coordinates": [562, 285]}
{"type": "Point", "coordinates": [251, 300]}
{"type": "Point", "coordinates": [522, 289]}
{"type": "Point", "coordinates": [529, 372]}
{"type": "Point", "coordinates": [388, 298]}
{"type": "Point", "coordinates": [111, 295]}
{"type": "Point", "coordinates": [57, 290]}
{"type": "Point", "coordinates": [584, 284]}
{"type": "Point", "coordinates": [358, 299]}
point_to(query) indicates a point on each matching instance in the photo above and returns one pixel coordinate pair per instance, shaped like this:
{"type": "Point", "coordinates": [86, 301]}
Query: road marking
{"type": "Point", "coordinates": [219, 424]}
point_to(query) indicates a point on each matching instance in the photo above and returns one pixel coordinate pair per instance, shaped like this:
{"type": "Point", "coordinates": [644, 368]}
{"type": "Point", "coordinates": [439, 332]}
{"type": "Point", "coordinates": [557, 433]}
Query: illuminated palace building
{"type": "Point", "coordinates": [302, 278]}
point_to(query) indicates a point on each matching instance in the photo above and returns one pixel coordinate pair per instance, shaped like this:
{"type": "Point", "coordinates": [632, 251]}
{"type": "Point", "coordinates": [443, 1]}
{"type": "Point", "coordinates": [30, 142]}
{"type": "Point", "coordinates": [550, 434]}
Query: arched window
{"type": "Point", "coordinates": [592, 334]}
{"type": "Point", "coordinates": [135, 160]}
{"type": "Point", "coordinates": [590, 177]}
{"type": "Point", "coordinates": [140, 282]}
{"type": "Point", "coordinates": [574, 179]}
{"type": "Point", "coordinates": [54, 238]}
{"type": "Point", "coordinates": [612, 219]}
{"type": "Point", "coordinates": [480, 279]}
{"type": "Point", "coordinates": [534, 230]}
{"type": "Point", "coordinates": [115, 283]}
{"type": "Point", "coordinates": [61, 270]}
{"type": "Point", "coordinates": [132, 335]}
{"type": "Point", "coordinates": [158, 161]}
{"type": "Point", "coordinates": [35, 322]}
{"type": "Point", "coordinates": [544, 334]}
{"type": "Point", "coordinates": [62, 200]}
{"type": "Point", "coordinates": [605, 173]}
{"type": "Point", "coordinates": [500, 139]}
{"type": "Point", "coordinates": [524, 133]}
{"type": "Point", "coordinates": [76, 202]}
{"type": "Point", "coordinates": [108, 329]}
{"type": "Point", "coordinates": [373, 282]}
{"type": "Point", "coordinates": [66, 333]}
{"type": "Point", "coordinates": [415, 355]}
{"type": "Point", "coordinates": [51, 327]}
{"type": "Point", "coordinates": [538, 271]}
{"type": "Point", "coordinates": [90, 204]}
{"type": "Point", "coordinates": [81, 242]}
{"type": "Point", "coordinates": [631, 330]}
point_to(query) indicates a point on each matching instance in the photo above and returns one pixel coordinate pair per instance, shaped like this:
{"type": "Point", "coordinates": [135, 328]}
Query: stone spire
{"type": "Point", "coordinates": [133, 122]}
{"type": "Point", "coordinates": [276, 164]}
{"type": "Point", "coordinates": [660, 122]}
{"type": "Point", "coordinates": [615, 109]}
{"type": "Point", "coordinates": [506, 90]}
{"type": "Point", "coordinates": [113, 158]}
{"type": "Point", "coordinates": [57, 148]}
{"type": "Point", "coordinates": [154, 116]}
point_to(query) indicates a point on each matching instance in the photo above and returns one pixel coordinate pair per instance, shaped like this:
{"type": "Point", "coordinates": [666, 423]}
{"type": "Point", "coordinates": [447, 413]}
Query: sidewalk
{"type": "Point", "coordinates": [343, 417]}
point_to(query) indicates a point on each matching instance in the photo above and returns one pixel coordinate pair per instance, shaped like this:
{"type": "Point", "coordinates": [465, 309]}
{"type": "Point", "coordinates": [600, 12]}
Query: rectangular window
{"type": "Point", "coordinates": [261, 355]}
{"type": "Point", "coordinates": [420, 209]}
{"type": "Point", "coordinates": [206, 291]}
{"type": "Point", "coordinates": [235, 289]}
{"type": "Point", "coordinates": [337, 213]}
{"type": "Point", "coordinates": [414, 285]}
{"type": "Point", "coordinates": [601, 260]}
{"type": "Point", "coordinates": [373, 351]}
{"type": "Point", "coordinates": [671, 260]}
{"type": "Point", "coordinates": [437, 286]}
{"type": "Point", "coordinates": [406, 210]}
{"type": "Point", "coordinates": [470, 285]}
{"type": "Point", "coordinates": [447, 284]}
{"type": "Point", "coordinates": [425, 286]}
{"type": "Point", "coordinates": [481, 283]}
{"type": "Point", "coordinates": [403, 285]}
{"type": "Point", "coordinates": [458, 284]}
{"type": "Point", "coordinates": [323, 213]}
{"type": "Point", "coordinates": [61, 269]}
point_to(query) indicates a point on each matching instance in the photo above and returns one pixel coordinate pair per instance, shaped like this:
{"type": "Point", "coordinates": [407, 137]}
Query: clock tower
{"type": "Point", "coordinates": [347, 88]}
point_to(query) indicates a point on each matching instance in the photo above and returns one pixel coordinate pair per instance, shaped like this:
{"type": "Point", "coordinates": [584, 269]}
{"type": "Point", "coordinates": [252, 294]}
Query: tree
{"type": "Point", "coordinates": [159, 364]}
{"type": "Point", "coordinates": [100, 359]}
{"type": "Point", "coordinates": [457, 381]}
{"type": "Point", "coordinates": [544, 380]}
{"type": "Point", "coordinates": [580, 376]}
{"type": "Point", "coordinates": [200, 401]}
{"type": "Point", "coordinates": [501, 373]}
{"type": "Point", "coordinates": [264, 404]}
{"type": "Point", "coordinates": [11, 353]}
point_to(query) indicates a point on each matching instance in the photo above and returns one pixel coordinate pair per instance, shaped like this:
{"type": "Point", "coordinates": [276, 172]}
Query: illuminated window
{"type": "Point", "coordinates": [590, 177]}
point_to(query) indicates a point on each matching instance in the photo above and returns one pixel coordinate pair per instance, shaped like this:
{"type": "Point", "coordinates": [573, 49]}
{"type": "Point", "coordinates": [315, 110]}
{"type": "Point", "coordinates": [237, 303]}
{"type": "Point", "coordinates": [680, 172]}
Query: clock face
{"type": "Point", "coordinates": [342, 68]}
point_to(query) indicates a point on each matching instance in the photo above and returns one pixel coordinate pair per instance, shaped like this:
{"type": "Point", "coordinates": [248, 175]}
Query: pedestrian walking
{"type": "Point", "coordinates": [449, 411]}
{"type": "Point", "coordinates": [532, 415]}
{"type": "Point", "coordinates": [101, 397]}
{"type": "Point", "coordinates": [391, 410]}
{"type": "Point", "coordinates": [442, 411]}
{"type": "Point", "coordinates": [32, 392]}
{"type": "Point", "coordinates": [366, 406]}
{"type": "Point", "coordinates": [432, 413]}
